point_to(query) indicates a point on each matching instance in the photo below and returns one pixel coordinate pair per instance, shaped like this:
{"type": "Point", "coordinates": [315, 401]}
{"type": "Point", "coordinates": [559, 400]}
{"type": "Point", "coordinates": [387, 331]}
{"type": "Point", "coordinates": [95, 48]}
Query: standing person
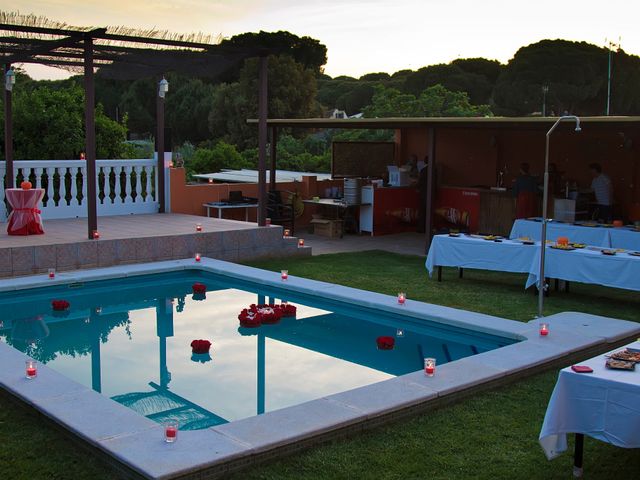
{"type": "Point", "coordinates": [423, 190]}
{"type": "Point", "coordinates": [525, 190]}
{"type": "Point", "coordinates": [601, 186]}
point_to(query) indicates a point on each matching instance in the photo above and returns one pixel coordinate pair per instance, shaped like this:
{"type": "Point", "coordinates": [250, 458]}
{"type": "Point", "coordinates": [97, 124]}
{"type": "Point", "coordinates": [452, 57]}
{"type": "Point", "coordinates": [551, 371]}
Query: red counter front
{"type": "Point", "coordinates": [394, 210]}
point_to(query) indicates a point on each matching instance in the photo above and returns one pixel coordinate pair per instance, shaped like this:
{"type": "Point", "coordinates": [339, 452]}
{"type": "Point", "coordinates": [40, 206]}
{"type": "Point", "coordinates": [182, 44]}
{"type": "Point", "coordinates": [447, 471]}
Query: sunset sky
{"type": "Point", "coordinates": [365, 36]}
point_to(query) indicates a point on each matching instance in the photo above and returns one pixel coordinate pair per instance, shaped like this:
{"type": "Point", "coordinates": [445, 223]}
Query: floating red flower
{"type": "Point", "coordinates": [288, 310]}
{"type": "Point", "coordinates": [200, 346]}
{"type": "Point", "coordinates": [199, 287]}
{"type": "Point", "coordinates": [59, 305]}
{"type": "Point", "coordinates": [385, 343]}
{"type": "Point", "coordinates": [250, 319]}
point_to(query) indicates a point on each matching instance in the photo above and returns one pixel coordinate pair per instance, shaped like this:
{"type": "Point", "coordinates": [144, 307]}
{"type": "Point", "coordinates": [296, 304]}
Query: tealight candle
{"type": "Point", "coordinates": [301, 242]}
{"type": "Point", "coordinates": [52, 273]}
{"type": "Point", "coordinates": [198, 227]}
{"type": "Point", "coordinates": [198, 258]}
{"type": "Point", "coordinates": [31, 369]}
{"type": "Point", "coordinates": [170, 432]}
{"type": "Point", "coordinates": [286, 232]}
{"type": "Point", "coordinates": [400, 333]}
{"type": "Point", "coordinates": [96, 234]}
{"type": "Point", "coordinates": [284, 274]}
{"type": "Point", "coordinates": [544, 329]}
{"type": "Point", "coordinates": [402, 297]}
{"type": "Point", "coordinates": [429, 367]}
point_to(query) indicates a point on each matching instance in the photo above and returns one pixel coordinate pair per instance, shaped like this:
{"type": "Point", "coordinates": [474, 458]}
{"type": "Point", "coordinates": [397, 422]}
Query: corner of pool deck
{"type": "Point", "coordinates": [136, 444]}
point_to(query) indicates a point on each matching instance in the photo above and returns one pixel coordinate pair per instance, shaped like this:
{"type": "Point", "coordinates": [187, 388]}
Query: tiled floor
{"type": "Point", "coordinates": [73, 230]}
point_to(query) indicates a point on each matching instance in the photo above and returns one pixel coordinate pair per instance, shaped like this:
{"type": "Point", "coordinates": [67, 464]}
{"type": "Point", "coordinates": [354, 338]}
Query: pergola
{"type": "Point", "coordinates": [124, 54]}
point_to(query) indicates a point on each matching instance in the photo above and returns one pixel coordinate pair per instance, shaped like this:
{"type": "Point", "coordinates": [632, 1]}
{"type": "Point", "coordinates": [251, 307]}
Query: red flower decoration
{"type": "Point", "coordinates": [249, 319]}
{"type": "Point", "coordinates": [288, 310]}
{"type": "Point", "coordinates": [256, 315]}
{"type": "Point", "coordinates": [59, 305]}
{"type": "Point", "coordinates": [385, 343]}
{"type": "Point", "coordinates": [200, 346]}
{"type": "Point", "coordinates": [199, 288]}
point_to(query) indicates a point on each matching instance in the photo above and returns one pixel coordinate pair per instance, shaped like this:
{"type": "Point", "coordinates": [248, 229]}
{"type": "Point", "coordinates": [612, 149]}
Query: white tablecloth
{"type": "Point", "coordinates": [588, 266]}
{"type": "Point", "coordinates": [604, 404]}
{"type": "Point", "coordinates": [470, 252]}
{"type": "Point", "coordinates": [598, 236]}
{"type": "Point", "coordinates": [625, 238]}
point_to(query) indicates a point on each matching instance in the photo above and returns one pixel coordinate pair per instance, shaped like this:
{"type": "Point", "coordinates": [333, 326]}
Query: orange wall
{"type": "Point", "coordinates": [188, 199]}
{"type": "Point", "coordinates": [469, 157]}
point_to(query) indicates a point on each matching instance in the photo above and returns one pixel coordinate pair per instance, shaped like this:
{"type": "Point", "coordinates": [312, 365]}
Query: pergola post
{"type": "Point", "coordinates": [430, 188]}
{"type": "Point", "coordinates": [160, 193]}
{"type": "Point", "coordinates": [8, 134]}
{"type": "Point", "coordinates": [90, 136]}
{"type": "Point", "coordinates": [262, 141]}
{"type": "Point", "coordinates": [273, 154]}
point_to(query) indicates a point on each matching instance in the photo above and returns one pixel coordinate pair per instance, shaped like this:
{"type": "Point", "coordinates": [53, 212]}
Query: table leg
{"type": "Point", "coordinates": [439, 274]}
{"type": "Point", "coordinates": [246, 214]}
{"type": "Point", "coordinates": [208, 212]}
{"type": "Point", "coordinates": [460, 272]}
{"type": "Point", "coordinates": [578, 455]}
{"type": "Point", "coordinates": [219, 213]}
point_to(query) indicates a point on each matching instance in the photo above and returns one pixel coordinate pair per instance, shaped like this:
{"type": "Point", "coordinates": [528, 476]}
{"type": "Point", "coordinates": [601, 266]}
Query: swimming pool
{"type": "Point", "coordinates": [129, 339]}
{"type": "Point", "coordinates": [136, 443]}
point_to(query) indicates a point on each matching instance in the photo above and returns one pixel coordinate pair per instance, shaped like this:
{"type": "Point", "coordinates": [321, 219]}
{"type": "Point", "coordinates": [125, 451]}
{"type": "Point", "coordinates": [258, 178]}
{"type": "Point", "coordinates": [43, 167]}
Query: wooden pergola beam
{"type": "Point", "coordinates": [48, 46]}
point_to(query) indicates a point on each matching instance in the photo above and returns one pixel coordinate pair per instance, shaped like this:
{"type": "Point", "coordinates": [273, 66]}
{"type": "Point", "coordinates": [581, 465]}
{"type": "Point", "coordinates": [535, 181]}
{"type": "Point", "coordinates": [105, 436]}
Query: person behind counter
{"type": "Point", "coordinates": [601, 186]}
{"type": "Point", "coordinates": [412, 168]}
{"type": "Point", "coordinates": [524, 190]}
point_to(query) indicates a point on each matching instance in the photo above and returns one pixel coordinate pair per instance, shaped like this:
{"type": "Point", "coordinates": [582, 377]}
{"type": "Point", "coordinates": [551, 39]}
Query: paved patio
{"type": "Point", "coordinates": [409, 243]}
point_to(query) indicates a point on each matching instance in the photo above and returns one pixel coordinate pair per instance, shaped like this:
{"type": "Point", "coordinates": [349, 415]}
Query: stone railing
{"type": "Point", "coordinates": [123, 186]}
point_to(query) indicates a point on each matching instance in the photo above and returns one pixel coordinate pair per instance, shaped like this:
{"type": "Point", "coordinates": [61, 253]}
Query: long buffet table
{"type": "Point", "coordinates": [586, 265]}
{"type": "Point", "coordinates": [583, 232]}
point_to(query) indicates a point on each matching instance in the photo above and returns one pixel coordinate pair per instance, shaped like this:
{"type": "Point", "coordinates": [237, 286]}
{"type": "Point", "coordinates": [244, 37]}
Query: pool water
{"type": "Point", "coordinates": [130, 340]}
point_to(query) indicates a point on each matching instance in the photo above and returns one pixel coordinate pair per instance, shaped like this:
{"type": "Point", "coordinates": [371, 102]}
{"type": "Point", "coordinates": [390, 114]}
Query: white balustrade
{"type": "Point", "coordinates": [127, 186]}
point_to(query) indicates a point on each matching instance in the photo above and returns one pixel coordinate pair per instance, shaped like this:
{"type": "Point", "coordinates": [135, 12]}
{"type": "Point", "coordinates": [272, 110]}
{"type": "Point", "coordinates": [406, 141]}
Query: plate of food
{"type": "Point", "coordinates": [606, 251]}
{"type": "Point", "coordinates": [589, 224]}
{"type": "Point", "coordinates": [634, 254]}
{"type": "Point", "coordinates": [614, 364]}
{"type": "Point", "coordinates": [492, 237]}
{"type": "Point", "coordinates": [607, 225]}
{"type": "Point", "coordinates": [626, 355]}
{"type": "Point", "coordinates": [568, 248]}
{"type": "Point", "coordinates": [577, 245]}
{"type": "Point", "coordinates": [527, 242]}
{"type": "Point", "coordinates": [454, 234]}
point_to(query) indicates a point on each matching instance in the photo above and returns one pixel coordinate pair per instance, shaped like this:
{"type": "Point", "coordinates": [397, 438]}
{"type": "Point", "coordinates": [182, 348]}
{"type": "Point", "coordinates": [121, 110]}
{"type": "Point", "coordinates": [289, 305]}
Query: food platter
{"type": "Point", "coordinates": [614, 364]}
{"type": "Point", "coordinates": [567, 248]}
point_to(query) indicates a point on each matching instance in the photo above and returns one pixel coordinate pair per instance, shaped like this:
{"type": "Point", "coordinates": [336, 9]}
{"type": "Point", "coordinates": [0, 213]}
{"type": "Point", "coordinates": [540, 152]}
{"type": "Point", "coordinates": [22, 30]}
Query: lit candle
{"type": "Point", "coordinates": [544, 329]}
{"type": "Point", "coordinates": [301, 242]}
{"type": "Point", "coordinates": [400, 333]}
{"type": "Point", "coordinates": [267, 221]}
{"type": "Point", "coordinates": [198, 258]}
{"type": "Point", "coordinates": [287, 232]}
{"type": "Point", "coordinates": [211, 180]}
{"type": "Point", "coordinates": [31, 369]}
{"type": "Point", "coordinates": [402, 297]}
{"type": "Point", "coordinates": [429, 366]}
{"type": "Point", "coordinates": [284, 274]}
{"type": "Point", "coordinates": [198, 227]}
{"type": "Point", "coordinates": [52, 273]}
{"type": "Point", "coordinates": [96, 234]}
{"type": "Point", "coordinates": [170, 432]}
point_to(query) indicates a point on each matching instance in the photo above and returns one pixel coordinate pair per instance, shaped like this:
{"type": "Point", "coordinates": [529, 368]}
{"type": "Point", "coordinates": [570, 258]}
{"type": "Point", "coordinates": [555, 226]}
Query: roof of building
{"type": "Point", "coordinates": [251, 176]}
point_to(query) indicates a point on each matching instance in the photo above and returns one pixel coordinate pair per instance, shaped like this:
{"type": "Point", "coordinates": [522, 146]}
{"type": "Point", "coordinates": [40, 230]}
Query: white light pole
{"type": "Point", "coordinates": [545, 195]}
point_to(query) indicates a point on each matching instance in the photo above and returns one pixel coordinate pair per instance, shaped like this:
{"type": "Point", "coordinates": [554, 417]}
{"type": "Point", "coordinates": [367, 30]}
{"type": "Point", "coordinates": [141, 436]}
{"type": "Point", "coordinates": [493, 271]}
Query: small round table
{"type": "Point", "coordinates": [24, 218]}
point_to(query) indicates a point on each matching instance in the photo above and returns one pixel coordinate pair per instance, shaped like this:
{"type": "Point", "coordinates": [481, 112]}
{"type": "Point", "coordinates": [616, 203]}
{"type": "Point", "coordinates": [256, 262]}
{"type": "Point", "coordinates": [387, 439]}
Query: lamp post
{"type": "Point", "coordinates": [9, 82]}
{"type": "Point", "coordinates": [163, 88]}
{"type": "Point", "coordinates": [545, 90]}
{"type": "Point", "coordinates": [545, 196]}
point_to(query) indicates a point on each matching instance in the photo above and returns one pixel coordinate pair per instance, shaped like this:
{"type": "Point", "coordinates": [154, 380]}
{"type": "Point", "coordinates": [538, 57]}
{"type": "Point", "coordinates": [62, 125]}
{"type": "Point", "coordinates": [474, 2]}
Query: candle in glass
{"type": "Point", "coordinates": [170, 431]}
{"type": "Point", "coordinates": [198, 257]}
{"type": "Point", "coordinates": [52, 273]}
{"type": "Point", "coordinates": [198, 227]}
{"type": "Point", "coordinates": [267, 221]}
{"type": "Point", "coordinates": [402, 297]}
{"type": "Point", "coordinates": [301, 242]}
{"type": "Point", "coordinates": [287, 232]}
{"type": "Point", "coordinates": [284, 274]}
{"type": "Point", "coordinates": [429, 367]}
{"type": "Point", "coordinates": [31, 369]}
{"type": "Point", "coordinates": [544, 329]}
{"type": "Point", "coordinates": [96, 234]}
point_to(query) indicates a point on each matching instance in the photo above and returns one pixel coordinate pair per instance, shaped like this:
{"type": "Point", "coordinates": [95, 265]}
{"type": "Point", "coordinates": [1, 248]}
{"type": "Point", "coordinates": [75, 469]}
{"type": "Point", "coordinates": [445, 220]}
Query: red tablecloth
{"type": "Point", "coordinates": [25, 218]}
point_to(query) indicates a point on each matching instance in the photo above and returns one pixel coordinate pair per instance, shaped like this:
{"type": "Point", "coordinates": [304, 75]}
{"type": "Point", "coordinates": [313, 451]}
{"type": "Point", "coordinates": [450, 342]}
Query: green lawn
{"type": "Point", "coordinates": [492, 435]}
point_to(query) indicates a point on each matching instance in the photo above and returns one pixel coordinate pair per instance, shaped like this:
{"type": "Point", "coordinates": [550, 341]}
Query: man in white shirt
{"type": "Point", "coordinates": [601, 186]}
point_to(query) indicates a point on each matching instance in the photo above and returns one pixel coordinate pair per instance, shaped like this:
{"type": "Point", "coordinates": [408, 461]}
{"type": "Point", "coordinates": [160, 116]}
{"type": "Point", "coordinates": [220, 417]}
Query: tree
{"type": "Point", "coordinates": [435, 101]}
{"type": "Point", "coordinates": [188, 108]}
{"type": "Point", "coordinates": [211, 160]}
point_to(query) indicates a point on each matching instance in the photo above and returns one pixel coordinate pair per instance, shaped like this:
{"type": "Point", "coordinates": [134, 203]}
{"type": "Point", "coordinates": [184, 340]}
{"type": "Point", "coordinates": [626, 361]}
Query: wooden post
{"type": "Point", "coordinates": [430, 188]}
{"type": "Point", "coordinates": [273, 153]}
{"type": "Point", "coordinates": [160, 149]}
{"type": "Point", "coordinates": [262, 141]}
{"type": "Point", "coordinates": [90, 137]}
{"type": "Point", "coordinates": [8, 135]}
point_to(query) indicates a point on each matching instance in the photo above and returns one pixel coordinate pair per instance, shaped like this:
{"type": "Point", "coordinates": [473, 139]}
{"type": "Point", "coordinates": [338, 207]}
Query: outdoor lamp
{"type": "Point", "coordinates": [163, 87]}
{"type": "Point", "coordinates": [9, 79]}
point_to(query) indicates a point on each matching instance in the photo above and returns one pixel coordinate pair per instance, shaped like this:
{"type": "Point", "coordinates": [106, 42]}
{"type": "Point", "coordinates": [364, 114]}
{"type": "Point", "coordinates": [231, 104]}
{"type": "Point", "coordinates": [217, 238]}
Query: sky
{"type": "Point", "coordinates": [365, 36]}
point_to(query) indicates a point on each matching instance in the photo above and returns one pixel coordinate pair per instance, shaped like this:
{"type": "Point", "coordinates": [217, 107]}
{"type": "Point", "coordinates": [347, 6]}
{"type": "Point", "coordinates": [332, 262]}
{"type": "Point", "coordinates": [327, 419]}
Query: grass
{"type": "Point", "coordinates": [492, 435]}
